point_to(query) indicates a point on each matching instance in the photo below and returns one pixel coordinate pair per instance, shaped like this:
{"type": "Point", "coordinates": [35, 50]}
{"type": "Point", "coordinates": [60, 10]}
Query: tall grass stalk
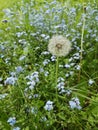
{"type": "Point", "coordinates": [82, 36]}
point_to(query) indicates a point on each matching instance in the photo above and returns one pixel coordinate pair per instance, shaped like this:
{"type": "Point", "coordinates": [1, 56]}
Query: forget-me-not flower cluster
{"type": "Point", "coordinates": [75, 103]}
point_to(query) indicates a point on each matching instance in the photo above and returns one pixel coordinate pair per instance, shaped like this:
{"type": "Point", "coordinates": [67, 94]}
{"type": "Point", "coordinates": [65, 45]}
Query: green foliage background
{"type": "Point", "coordinates": [87, 119]}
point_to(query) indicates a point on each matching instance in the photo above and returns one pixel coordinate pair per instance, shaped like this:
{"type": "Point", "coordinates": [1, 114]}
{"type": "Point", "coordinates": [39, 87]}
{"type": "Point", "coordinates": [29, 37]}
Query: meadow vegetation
{"type": "Point", "coordinates": [38, 89]}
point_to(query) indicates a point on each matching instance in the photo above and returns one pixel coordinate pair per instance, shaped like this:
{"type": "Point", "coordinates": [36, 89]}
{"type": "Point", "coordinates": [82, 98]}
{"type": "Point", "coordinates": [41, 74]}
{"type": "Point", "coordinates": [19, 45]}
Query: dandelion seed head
{"type": "Point", "coordinates": [59, 46]}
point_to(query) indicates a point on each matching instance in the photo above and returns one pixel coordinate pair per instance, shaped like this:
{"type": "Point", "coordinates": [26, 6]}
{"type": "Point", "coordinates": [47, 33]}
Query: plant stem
{"type": "Point", "coordinates": [57, 63]}
{"type": "Point", "coordinates": [81, 50]}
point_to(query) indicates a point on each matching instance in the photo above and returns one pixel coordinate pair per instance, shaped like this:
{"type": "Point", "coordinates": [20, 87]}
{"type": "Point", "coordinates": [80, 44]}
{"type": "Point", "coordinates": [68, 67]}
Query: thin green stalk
{"type": "Point", "coordinates": [57, 65]}
{"type": "Point", "coordinates": [81, 50]}
{"type": "Point", "coordinates": [22, 92]}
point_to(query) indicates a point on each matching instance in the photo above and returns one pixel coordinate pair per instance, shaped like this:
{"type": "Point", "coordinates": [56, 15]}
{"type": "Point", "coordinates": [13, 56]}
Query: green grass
{"type": "Point", "coordinates": [19, 37]}
{"type": "Point", "coordinates": [6, 4]}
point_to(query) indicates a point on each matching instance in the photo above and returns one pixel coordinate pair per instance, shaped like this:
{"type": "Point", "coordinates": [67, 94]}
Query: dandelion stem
{"type": "Point", "coordinates": [57, 65]}
{"type": "Point", "coordinates": [57, 69]}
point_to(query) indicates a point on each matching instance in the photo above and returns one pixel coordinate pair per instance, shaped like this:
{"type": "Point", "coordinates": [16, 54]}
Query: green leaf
{"type": "Point", "coordinates": [61, 116]}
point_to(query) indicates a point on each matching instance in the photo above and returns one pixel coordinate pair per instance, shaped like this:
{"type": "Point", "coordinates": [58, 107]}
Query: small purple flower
{"type": "Point", "coordinates": [10, 80]}
{"type": "Point", "coordinates": [74, 103]}
{"type": "Point", "coordinates": [19, 69]}
{"type": "Point", "coordinates": [33, 79]}
{"type": "Point", "coordinates": [53, 58]}
{"type": "Point", "coordinates": [46, 61]}
{"type": "Point", "coordinates": [90, 82]}
{"type": "Point", "coordinates": [16, 128]}
{"type": "Point", "coordinates": [49, 105]}
{"type": "Point", "coordinates": [11, 121]}
{"type": "Point", "coordinates": [67, 66]}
